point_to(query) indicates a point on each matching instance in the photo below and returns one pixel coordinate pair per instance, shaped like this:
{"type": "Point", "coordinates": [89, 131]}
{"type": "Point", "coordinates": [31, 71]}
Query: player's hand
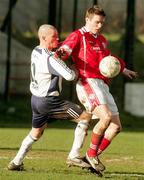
{"type": "Point", "coordinates": [61, 53]}
{"type": "Point", "coordinates": [129, 73]}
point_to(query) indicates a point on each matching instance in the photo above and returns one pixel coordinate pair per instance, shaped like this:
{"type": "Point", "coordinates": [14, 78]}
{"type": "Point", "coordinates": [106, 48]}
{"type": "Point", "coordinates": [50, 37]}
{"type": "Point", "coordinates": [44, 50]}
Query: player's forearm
{"type": "Point", "coordinates": [58, 67]}
{"type": "Point", "coordinates": [129, 73]}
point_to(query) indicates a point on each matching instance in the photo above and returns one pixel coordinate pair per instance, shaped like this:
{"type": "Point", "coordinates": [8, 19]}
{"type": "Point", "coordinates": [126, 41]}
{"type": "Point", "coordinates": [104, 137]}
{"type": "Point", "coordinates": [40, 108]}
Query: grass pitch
{"type": "Point", "coordinates": [46, 161]}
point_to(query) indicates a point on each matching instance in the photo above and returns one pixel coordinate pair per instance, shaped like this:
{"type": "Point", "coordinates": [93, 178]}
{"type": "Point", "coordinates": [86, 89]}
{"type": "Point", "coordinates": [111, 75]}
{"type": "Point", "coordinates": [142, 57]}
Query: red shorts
{"type": "Point", "coordinates": [94, 92]}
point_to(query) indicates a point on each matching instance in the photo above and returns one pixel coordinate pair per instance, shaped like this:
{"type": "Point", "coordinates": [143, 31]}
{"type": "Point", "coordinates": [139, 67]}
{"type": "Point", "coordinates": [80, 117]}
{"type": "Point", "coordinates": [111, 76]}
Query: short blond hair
{"type": "Point", "coordinates": [45, 29]}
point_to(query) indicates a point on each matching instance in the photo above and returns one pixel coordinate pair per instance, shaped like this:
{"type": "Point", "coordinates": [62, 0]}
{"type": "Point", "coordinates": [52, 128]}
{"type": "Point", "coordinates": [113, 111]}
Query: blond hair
{"type": "Point", "coordinates": [45, 29]}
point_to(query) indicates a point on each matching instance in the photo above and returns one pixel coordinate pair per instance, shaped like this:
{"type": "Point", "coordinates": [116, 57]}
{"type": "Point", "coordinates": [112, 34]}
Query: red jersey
{"type": "Point", "coordinates": [87, 50]}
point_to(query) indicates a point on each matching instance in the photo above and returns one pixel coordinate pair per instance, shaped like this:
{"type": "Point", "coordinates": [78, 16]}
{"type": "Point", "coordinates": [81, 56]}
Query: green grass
{"type": "Point", "coordinates": [46, 161]}
{"type": "Point", "coordinates": [123, 159]}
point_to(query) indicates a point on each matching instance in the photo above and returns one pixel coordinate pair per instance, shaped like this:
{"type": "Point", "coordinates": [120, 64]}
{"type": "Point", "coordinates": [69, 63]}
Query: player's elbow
{"type": "Point", "coordinates": [69, 78]}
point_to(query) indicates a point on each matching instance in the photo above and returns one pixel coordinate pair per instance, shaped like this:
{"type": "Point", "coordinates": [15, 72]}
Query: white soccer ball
{"type": "Point", "coordinates": [109, 66]}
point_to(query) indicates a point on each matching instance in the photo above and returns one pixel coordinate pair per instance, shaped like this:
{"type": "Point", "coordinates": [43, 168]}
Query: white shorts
{"type": "Point", "coordinates": [94, 92]}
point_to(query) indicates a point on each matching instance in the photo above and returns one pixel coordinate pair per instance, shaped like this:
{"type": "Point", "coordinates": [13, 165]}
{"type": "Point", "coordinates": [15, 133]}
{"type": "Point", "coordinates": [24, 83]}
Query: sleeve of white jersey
{"type": "Point", "coordinates": [58, 67]}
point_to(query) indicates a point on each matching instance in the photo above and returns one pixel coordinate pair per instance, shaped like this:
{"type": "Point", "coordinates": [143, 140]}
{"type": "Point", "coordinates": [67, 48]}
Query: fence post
{"type": "Point", "coordinates": [52, 12]}
{"type": "Point", "coordinates": [9, 22]}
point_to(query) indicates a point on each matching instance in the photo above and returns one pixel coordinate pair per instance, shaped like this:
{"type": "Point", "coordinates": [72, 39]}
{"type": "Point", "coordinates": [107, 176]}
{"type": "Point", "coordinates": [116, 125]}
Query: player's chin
{"type": "Point", "coordinates": [96, 31]}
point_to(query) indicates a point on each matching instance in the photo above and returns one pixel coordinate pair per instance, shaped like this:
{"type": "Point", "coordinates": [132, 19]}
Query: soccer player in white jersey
{"type": "Point", "coordinates": [47, 72]}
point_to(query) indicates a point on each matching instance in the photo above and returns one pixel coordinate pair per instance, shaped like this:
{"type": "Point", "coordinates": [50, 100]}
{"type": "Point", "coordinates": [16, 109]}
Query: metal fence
{"type": "Point", "coordinates": [25, 17]}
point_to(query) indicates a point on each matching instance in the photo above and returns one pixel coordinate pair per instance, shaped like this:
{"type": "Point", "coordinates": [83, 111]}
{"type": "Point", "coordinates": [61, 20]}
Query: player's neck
{"type": "Point", "coordinates": [41, 45]}
{"type": "Point", "coordinates": [87, 29]}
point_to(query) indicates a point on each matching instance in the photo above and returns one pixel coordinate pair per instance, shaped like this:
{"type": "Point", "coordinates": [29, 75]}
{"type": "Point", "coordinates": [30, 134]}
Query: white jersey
{"type": "Point", "coordinates": [47, 73]}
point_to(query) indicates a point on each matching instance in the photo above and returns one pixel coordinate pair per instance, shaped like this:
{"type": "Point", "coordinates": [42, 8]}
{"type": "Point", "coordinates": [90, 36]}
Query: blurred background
{"type": "Point", "coordinates": [124, 29]}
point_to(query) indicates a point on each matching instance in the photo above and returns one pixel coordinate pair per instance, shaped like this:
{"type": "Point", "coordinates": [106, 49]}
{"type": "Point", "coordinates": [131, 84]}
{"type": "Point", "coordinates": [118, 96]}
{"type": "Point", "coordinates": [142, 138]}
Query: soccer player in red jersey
{"type": "Point", "coordinates": [87, 47]}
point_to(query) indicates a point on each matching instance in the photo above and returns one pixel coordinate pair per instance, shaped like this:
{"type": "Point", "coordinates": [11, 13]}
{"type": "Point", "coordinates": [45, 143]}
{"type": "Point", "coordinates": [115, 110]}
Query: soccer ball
{"type": "Point", "coordinates": [109, 66]}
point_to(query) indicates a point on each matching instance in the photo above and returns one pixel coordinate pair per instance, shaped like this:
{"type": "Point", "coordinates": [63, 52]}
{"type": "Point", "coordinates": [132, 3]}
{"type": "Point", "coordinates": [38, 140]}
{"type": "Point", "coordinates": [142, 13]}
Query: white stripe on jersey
{"type": "Point", "coordinates": [72, 113]}
{"type": "Point", "coordinates": [61, 68]}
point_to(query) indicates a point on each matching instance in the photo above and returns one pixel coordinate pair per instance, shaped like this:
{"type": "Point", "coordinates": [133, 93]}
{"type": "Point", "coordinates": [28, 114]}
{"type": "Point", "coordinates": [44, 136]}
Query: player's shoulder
{"type": "Point", "coordinates": [82, 31]}
{"type": "Point", "coordinates": [39, 53]}
{"type": "Point", "coordinates": [72, 37]}
{"type": "Point", "coordinates": [37, 49]}
{"type": "Point", "coordinates": [78, 33]}
{"type": "Point", "coordinates": [75, 33]}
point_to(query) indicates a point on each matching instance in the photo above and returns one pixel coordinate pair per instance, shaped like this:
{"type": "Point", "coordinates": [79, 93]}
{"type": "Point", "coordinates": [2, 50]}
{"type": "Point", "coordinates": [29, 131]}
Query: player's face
{"type": "Point", "coordinates": [95, 23]}
{"type": "Point", "coordinates": [52, 40]}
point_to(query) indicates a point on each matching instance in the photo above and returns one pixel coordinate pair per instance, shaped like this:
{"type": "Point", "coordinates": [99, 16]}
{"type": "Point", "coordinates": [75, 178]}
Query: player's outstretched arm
{"type": "Point", "coordinates": [129, 73]}
{"type": "Point", "coordinates": [59, 68]}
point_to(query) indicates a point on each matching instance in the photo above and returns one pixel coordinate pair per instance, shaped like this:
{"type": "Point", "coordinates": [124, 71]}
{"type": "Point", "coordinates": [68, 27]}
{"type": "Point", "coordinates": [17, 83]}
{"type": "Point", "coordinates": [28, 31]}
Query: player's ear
{"type": "Point", "coordinates": [86, 19]}
{"type": "Point", "coordinates": [43, 38]}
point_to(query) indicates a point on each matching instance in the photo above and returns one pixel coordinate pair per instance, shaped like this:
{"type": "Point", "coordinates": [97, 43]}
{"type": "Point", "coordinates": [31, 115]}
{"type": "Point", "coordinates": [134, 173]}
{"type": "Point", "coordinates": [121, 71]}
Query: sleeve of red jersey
{"type": "Point", "coordinates": [122, 63]}
{"type": "Point", "coordinates": [67, 46]}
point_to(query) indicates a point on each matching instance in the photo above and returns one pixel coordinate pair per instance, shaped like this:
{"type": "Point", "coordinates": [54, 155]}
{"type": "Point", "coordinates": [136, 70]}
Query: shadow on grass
{"type": "Point", "coordinates": [37, 149]}
{"type": "Point", "coordinates": [109, 175]}
{"type": "Point", "coordinates": [78, 171]}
